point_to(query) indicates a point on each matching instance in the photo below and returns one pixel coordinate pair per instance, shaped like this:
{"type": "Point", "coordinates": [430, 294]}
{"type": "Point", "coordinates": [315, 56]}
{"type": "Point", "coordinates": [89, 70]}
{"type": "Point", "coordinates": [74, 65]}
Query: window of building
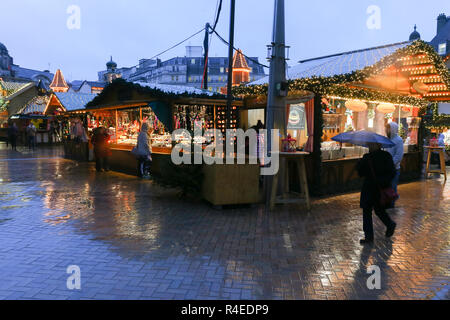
{"type": "Point", "coordinates": [177, 78]}
{"type": "Point", "coordinates": [443, 48]}
{"type": "Point", "coordinates": [222, 69]}
{"type": "Point", "coordinates": [190, 79]}
{"type": "Point", "coordinates": [192, 61]}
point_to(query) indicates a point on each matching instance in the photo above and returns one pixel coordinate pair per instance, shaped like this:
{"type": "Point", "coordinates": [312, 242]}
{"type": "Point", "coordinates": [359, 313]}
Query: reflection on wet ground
{"type": "Point", "coordinates": [134, 240]}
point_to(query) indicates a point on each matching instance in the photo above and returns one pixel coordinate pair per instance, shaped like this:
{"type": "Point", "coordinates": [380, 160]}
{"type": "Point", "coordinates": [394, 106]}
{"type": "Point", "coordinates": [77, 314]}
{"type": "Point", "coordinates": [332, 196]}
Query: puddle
{"type": "Point", "coordinates": [11, 207]}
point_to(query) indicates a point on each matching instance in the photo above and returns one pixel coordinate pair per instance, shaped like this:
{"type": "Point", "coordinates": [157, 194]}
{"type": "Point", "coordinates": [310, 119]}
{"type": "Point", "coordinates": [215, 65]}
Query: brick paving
{"type": "Point", "coordinates": [134, 240]}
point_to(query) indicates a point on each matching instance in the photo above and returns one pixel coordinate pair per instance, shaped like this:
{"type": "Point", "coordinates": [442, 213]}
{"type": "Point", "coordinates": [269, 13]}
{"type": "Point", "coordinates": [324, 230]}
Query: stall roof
{"type": "Point", "coordinates": [74, 101]}
{"type": "Point", "coordinates": [123, 93]}
{"type": "Point", "coordinates": [406, 73]}
{"type": "Point", "coordinates": [339, 64]}
{"type": "Point", "coordinates": [14, 87]}
{"type": "Point", "coordinates": [181, 90]}
{"type": "Point", "coordinates": [37, 104]}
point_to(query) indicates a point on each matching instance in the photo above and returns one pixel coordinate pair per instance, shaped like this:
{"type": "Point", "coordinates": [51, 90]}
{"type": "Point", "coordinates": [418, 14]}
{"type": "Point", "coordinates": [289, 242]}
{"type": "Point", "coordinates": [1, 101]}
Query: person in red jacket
{"type": "Point", "coordinates": [100, 140]}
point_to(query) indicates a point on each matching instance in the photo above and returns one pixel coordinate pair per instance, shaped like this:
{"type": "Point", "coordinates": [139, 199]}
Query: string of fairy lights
{"type": "Point", "coordinates": [437, 121]}
{"type": "Point", "coordinates": [335, 85]}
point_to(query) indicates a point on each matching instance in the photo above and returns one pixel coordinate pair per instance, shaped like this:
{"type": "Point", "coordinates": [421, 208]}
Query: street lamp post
{"type": "Point", "coordinates": [230, 65]}
{"type": "Point", "coordinates": [276, 100]}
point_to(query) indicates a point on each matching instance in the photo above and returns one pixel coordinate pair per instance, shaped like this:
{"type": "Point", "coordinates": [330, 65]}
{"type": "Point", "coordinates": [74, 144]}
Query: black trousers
{"type": "Point", "coordinates": [368, 223]}
{"type": "Point", "coordinates": [13, 142]}
{"type": "Point", "coordinates": [142, 162]}
{"type": "Point", "coordinates": [101, 163]}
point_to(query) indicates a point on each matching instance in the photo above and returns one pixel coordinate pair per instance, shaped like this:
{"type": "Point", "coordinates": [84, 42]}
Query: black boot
{"type": "Point", "coordinates": [366, 241]}
{"type": "Point", "coordinates": [390, 230]}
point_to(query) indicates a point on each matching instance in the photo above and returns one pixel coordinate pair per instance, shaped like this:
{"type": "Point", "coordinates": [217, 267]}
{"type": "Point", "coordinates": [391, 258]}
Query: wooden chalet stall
{"type": "Point", "coordinates": [123, 106]}
{"type": "Point", "coordinates": [363, 89]}
{"type": "Point", "coordinates": [46, 111]}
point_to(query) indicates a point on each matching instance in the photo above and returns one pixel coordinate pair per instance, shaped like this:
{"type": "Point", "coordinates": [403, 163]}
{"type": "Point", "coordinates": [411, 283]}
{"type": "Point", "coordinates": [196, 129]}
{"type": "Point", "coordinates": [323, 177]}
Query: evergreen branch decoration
{"type": "Point", "coordinates": [335, 85]}
{"type": "Point", "coordinates": [123, 86]}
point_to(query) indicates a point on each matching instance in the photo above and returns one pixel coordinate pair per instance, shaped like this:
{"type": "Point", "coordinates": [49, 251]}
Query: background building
{"type": "Point", "coordinates": [184, 71]}
{"type": "Point", "coordinates": [10, 70]}
{"type": "Point", "coordinates": [441, 42]}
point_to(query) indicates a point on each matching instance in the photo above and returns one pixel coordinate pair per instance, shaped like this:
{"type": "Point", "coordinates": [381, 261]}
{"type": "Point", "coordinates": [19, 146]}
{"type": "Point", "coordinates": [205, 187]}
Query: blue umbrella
{"type": "Point", "coordinates": [362, 138]}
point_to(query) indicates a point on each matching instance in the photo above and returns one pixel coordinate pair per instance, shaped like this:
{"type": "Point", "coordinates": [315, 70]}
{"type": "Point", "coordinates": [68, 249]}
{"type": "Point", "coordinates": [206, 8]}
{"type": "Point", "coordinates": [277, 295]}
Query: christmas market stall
{"type": "Point", "coordinates": [437, 122]}
{"type": "Point", "coordinates": [13, 95]}
{"type": "Point", "coordinates": [47, 112]}
{"type": "Point", "coordinates": [357, 90]}
{"type": "Point", "coordinates": [123, 106]}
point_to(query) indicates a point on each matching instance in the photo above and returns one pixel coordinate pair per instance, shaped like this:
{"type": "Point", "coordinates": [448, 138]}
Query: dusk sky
{"type": "Point", "coordinates": [36, 32]}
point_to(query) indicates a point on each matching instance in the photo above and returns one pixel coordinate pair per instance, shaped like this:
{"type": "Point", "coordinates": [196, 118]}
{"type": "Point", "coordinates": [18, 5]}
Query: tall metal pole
{"type": "Point", "coordinates": [206, 58]}
{"type": "Point", "coordinates": [276, 102]}
{"type": "Point", "coordinates": [230, 65]}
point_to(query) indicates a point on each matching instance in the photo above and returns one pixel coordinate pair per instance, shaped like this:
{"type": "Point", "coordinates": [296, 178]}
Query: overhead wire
{"type": "Point", "coordinates": [173, 47]}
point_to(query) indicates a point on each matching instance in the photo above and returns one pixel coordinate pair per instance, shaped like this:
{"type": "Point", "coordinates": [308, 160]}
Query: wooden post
{"type": "Point", "coordinates": [317, 144]}
{"type": "Point", "coordinates": [117, 124]}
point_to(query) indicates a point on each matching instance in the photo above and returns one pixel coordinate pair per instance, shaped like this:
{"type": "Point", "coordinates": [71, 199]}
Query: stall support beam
{"type": "Point", "coordinates": [317, 145]}
{"type": "Point", "coordinates": [230, 65]}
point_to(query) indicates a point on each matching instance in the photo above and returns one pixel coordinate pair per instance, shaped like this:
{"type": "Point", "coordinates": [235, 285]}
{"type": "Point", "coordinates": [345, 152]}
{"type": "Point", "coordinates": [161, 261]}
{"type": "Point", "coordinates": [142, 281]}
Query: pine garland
{"type": "Point", "coordinates": [335, 85]}
{"type": "Point", "coordinates": [122, 86]}
{"type": "Point", "coordinates": [437, 121]}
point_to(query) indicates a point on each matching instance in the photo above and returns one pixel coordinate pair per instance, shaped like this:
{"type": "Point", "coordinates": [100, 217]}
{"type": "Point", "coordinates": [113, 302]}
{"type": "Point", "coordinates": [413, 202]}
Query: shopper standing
{"type": "Point", "coordinates": [102, 152]}
{"type": "Point", "coordinates": [144, 148]}
{"type": "Point", "coordinates": [13, 132]}
{"type": "Point", "coordinates": [31, 133]}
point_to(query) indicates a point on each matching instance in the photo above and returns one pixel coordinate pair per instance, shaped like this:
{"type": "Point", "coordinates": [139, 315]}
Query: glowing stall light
{"type": "Point", "coordinates": [386, 108]}
{"type": "Point", "coordinates": [356, 105]}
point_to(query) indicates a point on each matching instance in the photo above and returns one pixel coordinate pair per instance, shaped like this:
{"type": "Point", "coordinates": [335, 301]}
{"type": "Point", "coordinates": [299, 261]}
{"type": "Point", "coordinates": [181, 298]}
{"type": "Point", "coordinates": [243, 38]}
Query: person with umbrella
{"type": "Point", "coordinates": [377, 168]}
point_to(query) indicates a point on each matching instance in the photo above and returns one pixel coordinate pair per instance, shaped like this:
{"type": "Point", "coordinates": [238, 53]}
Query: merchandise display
{"type": "Point", "coordinates": [338, 118]}
{"type": "Point", "coordinates": [123, 125]}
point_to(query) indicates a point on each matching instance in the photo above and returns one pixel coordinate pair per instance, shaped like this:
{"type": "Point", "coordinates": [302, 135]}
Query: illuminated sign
{"type": "Point", "coordinates": [296, 117]}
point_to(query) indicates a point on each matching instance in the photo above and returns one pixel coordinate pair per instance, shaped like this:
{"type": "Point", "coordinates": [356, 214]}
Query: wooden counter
{"type": "Point", "coordinates": [339, 176]}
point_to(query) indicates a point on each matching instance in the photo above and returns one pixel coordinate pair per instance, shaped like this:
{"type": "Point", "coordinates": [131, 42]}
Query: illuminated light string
{"type": "Point", "coordinates": [371, 102]}
{"type": "Point", "coordinates": [333, 85]}
{"type": "Point", "coordinates": [438, 121]}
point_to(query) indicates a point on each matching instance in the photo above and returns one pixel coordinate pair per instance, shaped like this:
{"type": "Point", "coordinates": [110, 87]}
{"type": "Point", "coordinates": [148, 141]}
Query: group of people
{"type": "Point", "coordinates": [13, 135]}
{"type": "Point", "coordinates": [380, 170]}
{"type": "Point", "coordinates": [142, 151]}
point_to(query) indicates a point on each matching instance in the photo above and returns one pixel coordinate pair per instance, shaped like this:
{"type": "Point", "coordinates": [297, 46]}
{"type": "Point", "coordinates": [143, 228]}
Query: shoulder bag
{"type": "Point", "coordinates": [387, 195]}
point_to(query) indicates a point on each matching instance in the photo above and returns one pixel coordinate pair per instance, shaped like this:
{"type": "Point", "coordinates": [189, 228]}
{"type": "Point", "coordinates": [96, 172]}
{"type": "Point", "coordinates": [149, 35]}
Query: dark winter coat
{"type": "Point", "coordinates": [384, 168]}
{"type": "Point", "coordinates": [101, 147]}
{"type": "Point", "coordinates": [13, 132]}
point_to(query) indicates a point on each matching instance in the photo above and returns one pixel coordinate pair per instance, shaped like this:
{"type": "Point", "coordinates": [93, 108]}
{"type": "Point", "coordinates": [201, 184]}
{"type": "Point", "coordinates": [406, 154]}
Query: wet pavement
{"type": "Point", "coordinates": [134, 240]}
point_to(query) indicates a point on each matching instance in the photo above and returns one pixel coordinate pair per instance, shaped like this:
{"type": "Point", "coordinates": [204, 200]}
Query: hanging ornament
{"type": "Point", "coordinates": [356, 105]}
{"type": "Point", "coordinates": [386, 108]}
